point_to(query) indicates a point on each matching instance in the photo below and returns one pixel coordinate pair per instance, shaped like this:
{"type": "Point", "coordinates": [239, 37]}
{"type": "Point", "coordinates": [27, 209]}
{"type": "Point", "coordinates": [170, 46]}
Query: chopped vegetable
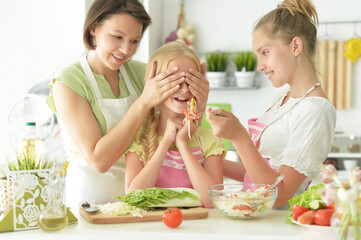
{"type": "Point", "coordinates": [245, 204]}
{"type": "Point", "coordinates": [242, 208]}
{"type": "Point", "coordinates": [317, 204]}
{"type": "Point", "coordinates": [121, 209]}
{"type": "Point", "coordinates": [163, 197]}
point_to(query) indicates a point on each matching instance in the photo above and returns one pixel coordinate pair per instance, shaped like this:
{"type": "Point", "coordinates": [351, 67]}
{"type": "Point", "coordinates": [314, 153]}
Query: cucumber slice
{"type": "Point", "coordinates": [317, 204]}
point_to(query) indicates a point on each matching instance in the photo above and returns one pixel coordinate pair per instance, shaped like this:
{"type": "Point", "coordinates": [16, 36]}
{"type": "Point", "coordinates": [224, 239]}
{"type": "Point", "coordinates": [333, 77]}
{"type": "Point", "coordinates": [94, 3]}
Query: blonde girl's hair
{"type": "Point", "coordinates": [162, 56]}
{"type": "Point", "coordinates": [293, 18]}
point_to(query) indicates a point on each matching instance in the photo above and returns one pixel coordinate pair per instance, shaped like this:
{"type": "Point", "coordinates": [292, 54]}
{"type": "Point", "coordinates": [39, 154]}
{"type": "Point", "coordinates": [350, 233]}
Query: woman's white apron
{"type": "Point", "coordinates": [83, 182]}
{"type": "Point", "coordinates": [256, 128]}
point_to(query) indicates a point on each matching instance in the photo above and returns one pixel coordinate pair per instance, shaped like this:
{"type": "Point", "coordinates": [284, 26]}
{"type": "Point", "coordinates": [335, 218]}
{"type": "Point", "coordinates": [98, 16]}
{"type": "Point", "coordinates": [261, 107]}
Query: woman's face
{"type": "Point", "coordinates": [275, 58]}
{"type": "Point", "coordinates": [117, 39]}
{"type": "Point", "coordinates": [176, 103]}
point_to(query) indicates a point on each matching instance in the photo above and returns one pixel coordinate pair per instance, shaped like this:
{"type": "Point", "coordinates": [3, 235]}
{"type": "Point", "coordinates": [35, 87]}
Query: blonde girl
{"type": "Point", "coordinates": [295, 135]}
{"type": "Point", "coordinates": [162, 154]}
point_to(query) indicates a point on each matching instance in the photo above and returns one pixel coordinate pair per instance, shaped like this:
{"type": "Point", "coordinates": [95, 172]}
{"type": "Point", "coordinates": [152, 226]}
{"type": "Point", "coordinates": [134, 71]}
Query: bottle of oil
{"type": "Point", "coordinates": [31, 146]}
{"type": "Point", "coordinates": [54, 216]}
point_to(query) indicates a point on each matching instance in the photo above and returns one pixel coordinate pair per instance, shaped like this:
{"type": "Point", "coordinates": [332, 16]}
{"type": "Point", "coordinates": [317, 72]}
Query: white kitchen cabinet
{"type": "Point", "coordinates": [346, 148]}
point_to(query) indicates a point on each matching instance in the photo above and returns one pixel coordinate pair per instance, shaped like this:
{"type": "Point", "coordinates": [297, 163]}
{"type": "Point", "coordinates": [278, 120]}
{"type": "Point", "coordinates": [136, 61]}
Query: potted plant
{"type": "Point", "coordinates": [25, 167]}
{"type": "Point", "coordinates": [24, 194]}
{"type": "Point", "coordinates": [246, 63]}
{"type": "Point", "coordinates": [216, 68]}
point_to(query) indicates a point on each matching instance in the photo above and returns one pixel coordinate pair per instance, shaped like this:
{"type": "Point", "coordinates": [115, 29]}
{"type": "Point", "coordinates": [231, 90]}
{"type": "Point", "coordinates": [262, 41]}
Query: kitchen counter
{"type": "Point", "coordinates": [272, 226]}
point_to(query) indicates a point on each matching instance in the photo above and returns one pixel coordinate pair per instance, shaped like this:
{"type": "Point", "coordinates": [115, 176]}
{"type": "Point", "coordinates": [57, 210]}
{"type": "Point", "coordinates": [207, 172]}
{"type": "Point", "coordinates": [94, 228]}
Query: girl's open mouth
{"type": "Point", "coordinates": [180, 99]}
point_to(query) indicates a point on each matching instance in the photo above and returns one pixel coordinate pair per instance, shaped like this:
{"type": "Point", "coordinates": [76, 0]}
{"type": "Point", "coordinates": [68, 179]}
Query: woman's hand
{"type": "Point", "coordinates": [172, 127]}
{"type": "Point", "coordinates": [158, 88]}
{"type": "Point", "coordinates": [199, 86]}
{"type": "Point", "coordinates": [225, 124]}
{"type": "Point", "coordinates": [182, 135]}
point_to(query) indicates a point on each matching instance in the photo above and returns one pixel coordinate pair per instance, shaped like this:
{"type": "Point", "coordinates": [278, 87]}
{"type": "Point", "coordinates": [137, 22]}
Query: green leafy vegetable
{"type": "Point", "coordinates": [162, 197]}
{"type": "Point", "coordinates": [305, 199]}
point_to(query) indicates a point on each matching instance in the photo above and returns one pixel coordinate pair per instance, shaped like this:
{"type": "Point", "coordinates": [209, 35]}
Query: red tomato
{"type": "Point", "coordinates": [298, 210]}
{"type": "Point", "coordinates": [242, 207]}
{"type": "Point", "coordinates": [330, 206]}
{"type": "Point", "coordinates": [172, 217]}
{"type": "Point", "coordinates": [323, 217]}
{"type": "Point", "coordinates": [307, 217]}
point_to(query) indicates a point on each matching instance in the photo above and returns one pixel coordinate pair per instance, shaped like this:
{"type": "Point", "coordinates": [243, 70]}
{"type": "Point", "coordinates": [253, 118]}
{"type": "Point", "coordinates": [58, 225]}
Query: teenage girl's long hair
{"type": "Point", "coordinates": [293, 18]}
{"type": "Point", "coordinates": [166, 53]}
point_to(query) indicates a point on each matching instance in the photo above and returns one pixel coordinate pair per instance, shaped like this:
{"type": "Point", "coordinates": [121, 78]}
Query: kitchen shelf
{"type": "Point", "coordinates": [231, 85]}
{"type": "Point", "coordinates": [344, 155]}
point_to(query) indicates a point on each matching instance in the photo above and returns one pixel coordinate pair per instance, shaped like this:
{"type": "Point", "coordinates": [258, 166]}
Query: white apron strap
{"type": "Point", "coordinates": [129, 85]}
{"type": "Point", "coordinates": [89, 74]}
{"type": "Point", "coordinates": [287, 109]}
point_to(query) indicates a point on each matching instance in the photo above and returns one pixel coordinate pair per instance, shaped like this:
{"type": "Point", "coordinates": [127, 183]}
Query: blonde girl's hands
{"type": "Point", "coordinates": [199, 86]}
{"type": "Point", "coordinates": [225, 124]}
{"type": "Point", "coordinates": [182, 135]}
{"type": "Point", "coordinates": [172, 127]}
{"type": "Point", "coordinates": [158, 88]}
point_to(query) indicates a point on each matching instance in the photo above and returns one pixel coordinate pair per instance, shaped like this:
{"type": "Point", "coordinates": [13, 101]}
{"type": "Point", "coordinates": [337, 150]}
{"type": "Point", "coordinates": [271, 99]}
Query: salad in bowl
{"type": "Point", "coordinates": [243, 201]}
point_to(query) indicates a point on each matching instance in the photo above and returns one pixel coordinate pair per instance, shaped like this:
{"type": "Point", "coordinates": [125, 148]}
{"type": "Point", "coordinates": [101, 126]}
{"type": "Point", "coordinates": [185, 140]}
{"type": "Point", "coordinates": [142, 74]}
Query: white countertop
{"type": "Point", "coordinates": [272, 226]}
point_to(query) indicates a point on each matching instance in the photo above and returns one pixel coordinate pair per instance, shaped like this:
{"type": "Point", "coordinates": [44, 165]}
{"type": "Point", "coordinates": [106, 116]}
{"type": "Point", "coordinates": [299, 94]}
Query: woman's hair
{"type": "Point", "coordinates": [165, 54]}
{"type": "Point", "coordinates": [290, 19]}
{"type": "Point", "coordinates": [101, 10]}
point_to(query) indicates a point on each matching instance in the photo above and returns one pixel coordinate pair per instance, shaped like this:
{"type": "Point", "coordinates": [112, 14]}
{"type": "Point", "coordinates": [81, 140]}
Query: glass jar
{"type": "Point", "coordinates": [54, 216]}
{"type": "Point", "coordinates": [342, 220]}
{"type": "Point", "coordinates": [353, 144]}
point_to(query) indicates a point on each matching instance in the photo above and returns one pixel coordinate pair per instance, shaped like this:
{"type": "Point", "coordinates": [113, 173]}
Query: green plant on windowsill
{"type": "Point", "coordinates": [217, 61]}
{"type": "Point", "coordinates": [245, 61]}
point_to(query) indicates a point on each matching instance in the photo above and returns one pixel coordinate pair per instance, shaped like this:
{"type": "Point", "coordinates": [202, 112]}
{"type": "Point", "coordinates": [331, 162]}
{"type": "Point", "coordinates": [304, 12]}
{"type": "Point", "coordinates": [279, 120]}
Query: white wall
{"type": "Point", "coordinates": [227, 25]}
{"type": "Point", "coordinates": [38, 37]}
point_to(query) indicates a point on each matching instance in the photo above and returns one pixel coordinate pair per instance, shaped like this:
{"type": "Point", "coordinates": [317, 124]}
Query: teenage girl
{"type": "Point", "coordinates": [295, 135]}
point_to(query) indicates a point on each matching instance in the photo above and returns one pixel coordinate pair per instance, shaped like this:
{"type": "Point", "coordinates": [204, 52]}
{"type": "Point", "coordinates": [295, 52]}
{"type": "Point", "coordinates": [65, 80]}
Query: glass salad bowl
{"type": "Point", "coordinates": [242, 200]}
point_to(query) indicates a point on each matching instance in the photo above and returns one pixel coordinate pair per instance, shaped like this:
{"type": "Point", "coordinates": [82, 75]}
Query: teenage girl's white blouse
{"type": "Point", "coordinates": [302, 136]}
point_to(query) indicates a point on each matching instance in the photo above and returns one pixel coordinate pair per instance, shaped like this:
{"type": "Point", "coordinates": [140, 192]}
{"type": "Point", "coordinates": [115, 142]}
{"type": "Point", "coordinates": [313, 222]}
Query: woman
{"type": "Point", "coordinates": [99, 100]}
{"type": "Point", "coordinates": [295, 135]}
{"type": "Point", "coordinates": [162, 155]}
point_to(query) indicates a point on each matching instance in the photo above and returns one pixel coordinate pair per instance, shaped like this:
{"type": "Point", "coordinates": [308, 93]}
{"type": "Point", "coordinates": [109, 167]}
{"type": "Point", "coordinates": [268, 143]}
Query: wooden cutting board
{"type": "Point", "coordinates": [335, 72]}
{"type": "Point", "coordinates": [102, 218]}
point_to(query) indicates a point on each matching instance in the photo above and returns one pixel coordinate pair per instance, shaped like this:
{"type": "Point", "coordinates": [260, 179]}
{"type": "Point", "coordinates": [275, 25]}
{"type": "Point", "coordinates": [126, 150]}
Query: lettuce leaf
{"type": "Point", "coordinates": [305, 199]}
{"type": "Point", "coordinates": [163, 197]}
